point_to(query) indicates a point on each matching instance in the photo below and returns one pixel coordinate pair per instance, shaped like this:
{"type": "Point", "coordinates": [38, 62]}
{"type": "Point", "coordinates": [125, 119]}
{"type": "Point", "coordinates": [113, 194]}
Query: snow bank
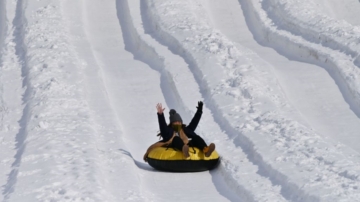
{"type": "Point", "coordinates": [249, 107]}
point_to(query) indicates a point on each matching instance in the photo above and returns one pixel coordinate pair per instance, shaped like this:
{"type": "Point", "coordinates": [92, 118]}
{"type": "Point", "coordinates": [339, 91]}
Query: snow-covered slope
{"type": "Point", "coordinates": [79, 82]}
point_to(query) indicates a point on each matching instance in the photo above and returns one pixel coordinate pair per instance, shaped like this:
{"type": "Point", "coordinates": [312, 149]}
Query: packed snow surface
{"type": "Point", "coordinates": [79, 82]}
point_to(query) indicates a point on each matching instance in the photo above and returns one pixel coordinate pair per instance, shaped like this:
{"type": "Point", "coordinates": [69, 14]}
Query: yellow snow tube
{"type": "Point", "coordinates": [169, 159]}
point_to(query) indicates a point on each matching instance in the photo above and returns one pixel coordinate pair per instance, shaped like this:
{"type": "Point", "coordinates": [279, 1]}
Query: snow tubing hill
{"type": "Point", "coordinates": [169, 159]}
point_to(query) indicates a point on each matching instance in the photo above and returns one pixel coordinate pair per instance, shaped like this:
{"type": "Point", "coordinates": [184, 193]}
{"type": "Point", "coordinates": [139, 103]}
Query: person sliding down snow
{"type": "Point", "coordinates": [176, 134]}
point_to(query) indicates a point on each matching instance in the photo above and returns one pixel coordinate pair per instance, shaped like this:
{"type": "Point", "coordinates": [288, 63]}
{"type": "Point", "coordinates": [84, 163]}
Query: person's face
{"type": "Point", "coordinates": [176, 123]}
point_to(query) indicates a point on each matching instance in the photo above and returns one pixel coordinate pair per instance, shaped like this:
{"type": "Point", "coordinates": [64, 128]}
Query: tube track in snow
{"type": "Point", "coordinates": [19, 24]}
{"type": "Point", "coordinates": [288, 42]}
{"type": "Point", "coordinates": [290, 189]}
{"type": "Point", "coordinates": [148, 54]}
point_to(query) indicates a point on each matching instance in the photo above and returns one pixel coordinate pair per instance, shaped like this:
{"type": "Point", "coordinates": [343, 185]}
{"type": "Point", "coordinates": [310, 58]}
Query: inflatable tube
{"type": "Point", "coordinates": [169, 159]}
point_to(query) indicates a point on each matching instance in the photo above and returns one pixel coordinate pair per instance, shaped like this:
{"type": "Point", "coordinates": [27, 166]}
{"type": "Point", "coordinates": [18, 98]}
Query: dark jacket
{"type": "Point", "coordinates": [167, 131]}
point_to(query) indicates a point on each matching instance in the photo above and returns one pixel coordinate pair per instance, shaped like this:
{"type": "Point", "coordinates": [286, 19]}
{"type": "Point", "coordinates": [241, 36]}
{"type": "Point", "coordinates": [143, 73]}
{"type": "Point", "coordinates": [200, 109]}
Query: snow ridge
{"type": "Point", "coordinates": [298, 143]}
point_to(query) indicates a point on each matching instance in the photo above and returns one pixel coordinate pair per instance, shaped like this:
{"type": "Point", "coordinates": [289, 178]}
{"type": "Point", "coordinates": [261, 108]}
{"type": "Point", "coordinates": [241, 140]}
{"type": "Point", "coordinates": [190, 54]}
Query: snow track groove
{"type": "Point", "coordinates": [309, 88]}
{"type": "Point", "coordinates": [79, 81]}
{"type": "Point", "coordinates": [147, 54]}
{"type": "Point", "coordinates": [2, 25]}
{"type": "Point", "coordinates": [279, 41]}
{"type": "Point", "coordinates": [269, 31]}
{"type": "Point", "coordinates": [55, 121]}
{"type": "Point", "coordinates": [325, 31]}
{"type": "Point", "coordinates": [11, 108]}
{"type": "Point", "coordinates": [275, 44]}
{"type": "Point", "coordinates": [271, 125]}
{"type": "Point", "coordinates": [289, 190]}
{"type": "Point", "coordinates": [138, 44]}
{"type": "Point", "coordinates": [320, 29]}
{"type": "Point", "coordinates": [115, 163]}
{"type": "Point", "coordinates": [19, 24]}
{"type": "Point", "coordinates": [183, 78]}
{"type": "Point", "coordinates": [124, 76]}
{"type": "Point", "coordinates": [3, 30]}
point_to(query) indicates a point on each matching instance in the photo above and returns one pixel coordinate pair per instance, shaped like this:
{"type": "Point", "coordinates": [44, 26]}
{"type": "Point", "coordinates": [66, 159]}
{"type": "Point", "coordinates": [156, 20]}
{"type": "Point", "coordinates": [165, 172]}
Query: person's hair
{"type": "Point", "coordinates": [169, 125]}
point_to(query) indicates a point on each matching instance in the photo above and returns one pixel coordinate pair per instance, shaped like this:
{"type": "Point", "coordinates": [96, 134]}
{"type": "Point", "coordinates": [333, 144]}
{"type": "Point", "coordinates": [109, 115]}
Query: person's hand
{"type": "Point", "coordinates": [159, 108]}
{"type": "Point", "coordinates": [200, 105]}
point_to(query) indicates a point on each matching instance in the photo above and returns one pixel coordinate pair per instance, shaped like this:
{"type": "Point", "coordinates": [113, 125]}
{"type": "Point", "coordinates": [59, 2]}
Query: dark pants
{"type": "Point", "coordinates": [196, 141]}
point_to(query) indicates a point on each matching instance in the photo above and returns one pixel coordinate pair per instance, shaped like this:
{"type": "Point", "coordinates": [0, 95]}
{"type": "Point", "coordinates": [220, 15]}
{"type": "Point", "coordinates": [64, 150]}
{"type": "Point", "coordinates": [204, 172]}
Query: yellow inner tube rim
{"type": "Point", "coordinates": [163, 153]}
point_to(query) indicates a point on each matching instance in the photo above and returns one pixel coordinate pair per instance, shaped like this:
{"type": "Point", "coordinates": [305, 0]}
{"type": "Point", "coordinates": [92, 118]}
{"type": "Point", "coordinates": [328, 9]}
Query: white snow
{"type": "Point", "coordinates": [79, 82]}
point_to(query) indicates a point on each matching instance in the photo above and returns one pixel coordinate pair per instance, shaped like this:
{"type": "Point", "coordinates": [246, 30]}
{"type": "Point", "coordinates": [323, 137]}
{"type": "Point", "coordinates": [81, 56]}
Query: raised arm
{"type": "Point", "coordinates": [196, 119]}
{"type": "Point", "coordinates": [164, 130]}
